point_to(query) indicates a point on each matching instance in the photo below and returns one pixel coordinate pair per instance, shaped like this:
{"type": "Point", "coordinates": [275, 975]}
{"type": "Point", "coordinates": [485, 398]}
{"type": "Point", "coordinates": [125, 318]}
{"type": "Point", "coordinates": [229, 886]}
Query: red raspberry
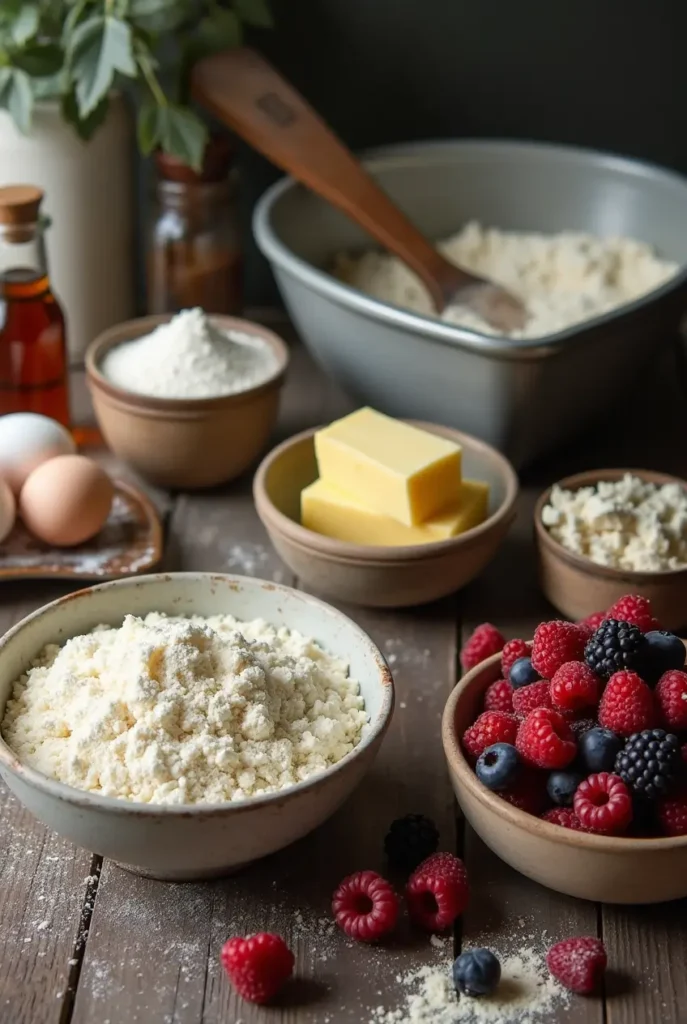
{"type": "Point", "coordinates": [490, 727]}
{"type": "Point", "coordinates": [672, 814]}
{"type": "Point", "coordinates": [513, 650]}
{"type": "Point", "coordinates": [627, 704]}
{"type": "Point", "coordinates": [527, 698]}
{"type": "Point", "coordinates": [575, 686]}
{"type": "Point", "coordinates": [528, 792]}
{"type": "Point", "coordinates": [593, 621]}
{"type": "Point", "coordinates": [544, 740]}
{"type": "Point", "coordinates": [603, 803]}
{"type": "Point", "coordinates": [499, 697]}
{"type": "Point", "coordinates": [555, 643]}
{"type": "Point", "coordinates": [671, 694]}
{"type": "Point", "coordinates": [578, 964]}
{"type": "Point", "coordinates": [258, 966]}
{"type": "Point", "coordinates": [485, 641]}
{"type": "Point", "coordinates": [365, 906]}
{"type": "Point", "coordinates": [634, 609]}
{"type": "Point", "coordinates": [565, 817]}
{"type": "Point", "coordinates": [437, 892]}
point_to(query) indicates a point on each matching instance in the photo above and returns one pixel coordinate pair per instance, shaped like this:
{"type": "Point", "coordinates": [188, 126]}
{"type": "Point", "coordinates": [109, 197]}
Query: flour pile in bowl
{"type": "Point", "coordinates": [562, 279]}
{"type": "Point", "coordinates": [173, 710]}
{"type": "Point", "coordinates": [190, 357]}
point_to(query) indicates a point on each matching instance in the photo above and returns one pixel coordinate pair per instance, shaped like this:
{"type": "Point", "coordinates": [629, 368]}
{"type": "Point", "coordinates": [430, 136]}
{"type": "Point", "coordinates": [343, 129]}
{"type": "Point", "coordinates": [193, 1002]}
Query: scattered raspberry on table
{"type": "Point", "coordinates": [579, 964]}
{"type": "Point", "coordinates": [437, 892]}
{"type": "Point", "coordinates": [365, 906]}
{"type": "Point", "coordinates": [258, 966]}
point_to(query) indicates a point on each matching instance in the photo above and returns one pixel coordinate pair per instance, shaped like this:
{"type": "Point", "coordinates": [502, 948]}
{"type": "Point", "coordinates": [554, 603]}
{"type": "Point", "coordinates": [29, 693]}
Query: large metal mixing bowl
{"type": "Point", "coordinates": [524, 397]}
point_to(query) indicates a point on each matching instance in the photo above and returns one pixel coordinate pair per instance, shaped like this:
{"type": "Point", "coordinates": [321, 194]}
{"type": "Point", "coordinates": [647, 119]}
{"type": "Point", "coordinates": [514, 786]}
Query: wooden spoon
{"type": "Point", "coordinates": [244, 91]}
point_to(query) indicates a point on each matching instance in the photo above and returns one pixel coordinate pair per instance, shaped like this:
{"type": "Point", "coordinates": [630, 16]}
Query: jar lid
{"type": "Point", "coordinates": [216, 163]}
{"type": "Point", "coordinates": [19, 204]}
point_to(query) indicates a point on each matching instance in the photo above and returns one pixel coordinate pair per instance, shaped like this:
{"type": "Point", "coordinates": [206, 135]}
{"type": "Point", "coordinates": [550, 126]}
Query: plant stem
{"type": "Point", "coordinates": [152, 82]}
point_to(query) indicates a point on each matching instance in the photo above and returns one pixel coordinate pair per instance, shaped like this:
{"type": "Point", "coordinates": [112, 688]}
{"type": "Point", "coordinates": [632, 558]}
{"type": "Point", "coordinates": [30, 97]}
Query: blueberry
{"type": "Point", "coordinates": [498, 765]}
{"type": "Point", "coordinates": [476, 972]}
{"type": "Point", "coordinates": [598, 749]}
{"type": "Point", "coordinates": [561, 787]}
{"type": "Point", "coordinates": [663, 651]}
{"type": "Point", "coordinates": [522, 674]}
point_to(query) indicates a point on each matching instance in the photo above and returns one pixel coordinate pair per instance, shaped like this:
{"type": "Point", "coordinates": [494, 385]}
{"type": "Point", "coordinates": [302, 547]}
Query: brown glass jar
{"type": "Point", "coordinates": [194, 253]}
{"type": "Point", "coordinates": [33, 348]}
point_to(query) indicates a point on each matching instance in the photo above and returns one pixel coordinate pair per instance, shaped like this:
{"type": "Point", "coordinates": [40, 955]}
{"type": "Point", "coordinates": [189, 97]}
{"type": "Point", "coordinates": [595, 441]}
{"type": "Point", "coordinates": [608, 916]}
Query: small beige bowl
{"type": "Point", "coordinates": [381, 577]}
{"type": "Point", "coordinates": [185, 443]}
{"type": "Point", "coordinates": [592, 867]}
{"type": "Point", "coordinates": [578, 587]}
{"type": "Point", "coordinates": [192, 841]}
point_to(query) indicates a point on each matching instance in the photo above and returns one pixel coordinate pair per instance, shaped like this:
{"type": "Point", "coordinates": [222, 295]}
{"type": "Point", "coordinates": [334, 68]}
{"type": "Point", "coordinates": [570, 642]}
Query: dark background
{"type": "Point", "coordinates": [610, 74]}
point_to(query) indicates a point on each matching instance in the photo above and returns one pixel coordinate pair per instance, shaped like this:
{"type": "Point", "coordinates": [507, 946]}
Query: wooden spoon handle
{"type": "Point", "coordinates": [246, 93]}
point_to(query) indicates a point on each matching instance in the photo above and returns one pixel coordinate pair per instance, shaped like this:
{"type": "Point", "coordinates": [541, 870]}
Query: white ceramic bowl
{"type": "Point", "coordinates": [194, 841]}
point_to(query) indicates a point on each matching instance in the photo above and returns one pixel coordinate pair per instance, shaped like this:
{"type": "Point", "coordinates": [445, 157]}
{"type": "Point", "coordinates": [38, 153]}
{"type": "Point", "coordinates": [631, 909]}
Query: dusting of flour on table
{"type": "Point", "coordinates": [562, 279]}
{"type": "Point", "coordinates": [190, 357]}
{"type": "Point", "coordinates": [175, 710]}
{"type": "Point", "coordinates": [526, 994]}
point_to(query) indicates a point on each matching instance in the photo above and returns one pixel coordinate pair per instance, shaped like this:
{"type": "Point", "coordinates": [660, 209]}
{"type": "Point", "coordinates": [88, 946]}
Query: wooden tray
{"type": "Point", "coordinates": [130, 542]}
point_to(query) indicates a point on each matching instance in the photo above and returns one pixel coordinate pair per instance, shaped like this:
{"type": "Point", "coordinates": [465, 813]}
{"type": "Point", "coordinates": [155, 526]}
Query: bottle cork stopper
{"type": "Point", "coordinates": [19, 204]}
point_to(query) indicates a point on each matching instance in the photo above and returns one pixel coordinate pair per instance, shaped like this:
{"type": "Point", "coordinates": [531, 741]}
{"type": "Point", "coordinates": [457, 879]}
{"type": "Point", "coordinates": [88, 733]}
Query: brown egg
{"type": "Point", "coordinates": [66, 500]}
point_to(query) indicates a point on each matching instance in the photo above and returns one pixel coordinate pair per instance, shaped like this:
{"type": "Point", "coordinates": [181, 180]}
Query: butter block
{"type": "Point", "coordinates": [392, 468]}
{"type": "Point", "coordinates": [332, 512]}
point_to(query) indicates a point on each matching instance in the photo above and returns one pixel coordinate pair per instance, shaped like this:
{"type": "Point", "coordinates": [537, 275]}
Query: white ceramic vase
{"type": "Point", "coordinates": [89, 196]}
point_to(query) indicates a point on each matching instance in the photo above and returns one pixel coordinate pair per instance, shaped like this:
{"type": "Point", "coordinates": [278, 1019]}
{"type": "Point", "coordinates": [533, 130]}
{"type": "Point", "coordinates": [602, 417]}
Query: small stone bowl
{"type": "Point", "coordinates": [381, 577]}
{"type": "Point", "coordinates": [185, 443]}
{"type": "Point", "coordinates": [592, 867]}
{"type": "Point", "coordinates": [577, 587]}
{"type": "Point", "coordinates": [193, 841]}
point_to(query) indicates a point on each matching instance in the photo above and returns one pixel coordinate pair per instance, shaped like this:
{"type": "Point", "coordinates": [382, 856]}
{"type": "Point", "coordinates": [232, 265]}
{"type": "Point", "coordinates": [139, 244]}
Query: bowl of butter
{"type": "Point", "coordinates": [385, 513]}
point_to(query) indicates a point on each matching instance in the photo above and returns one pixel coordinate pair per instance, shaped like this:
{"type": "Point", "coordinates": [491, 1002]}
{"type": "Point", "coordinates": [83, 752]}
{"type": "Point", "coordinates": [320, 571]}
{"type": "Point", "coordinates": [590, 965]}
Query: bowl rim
{"type": "Point", "coordinates": [344, 551]}
{"type": "Point", "coordinates": [383, 157]}
{"type": "Point", "coordinates": [97, 801]}
{"type": "Point", "coordinates": [513, 816]}
{"type": "Point", "coordinates": [585, 565]}
{"type": "Point", "coordinates": [130, 330]}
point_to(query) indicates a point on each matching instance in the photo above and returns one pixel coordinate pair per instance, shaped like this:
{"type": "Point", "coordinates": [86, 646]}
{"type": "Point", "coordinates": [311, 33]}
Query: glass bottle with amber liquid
{"type": "Point", "coordinates": [33, 349]}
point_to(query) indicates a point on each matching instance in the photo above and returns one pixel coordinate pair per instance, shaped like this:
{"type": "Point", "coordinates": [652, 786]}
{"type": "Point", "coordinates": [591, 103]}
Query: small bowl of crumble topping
{"type": "Point", "coordinates": [607, 532]}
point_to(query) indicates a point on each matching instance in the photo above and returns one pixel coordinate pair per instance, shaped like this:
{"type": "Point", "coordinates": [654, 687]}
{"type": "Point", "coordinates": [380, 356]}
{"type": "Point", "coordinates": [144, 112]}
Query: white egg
{"type": "Point", "coordinates": [8, 510]}
{"type": "Point", "coordinates": [26, 441]}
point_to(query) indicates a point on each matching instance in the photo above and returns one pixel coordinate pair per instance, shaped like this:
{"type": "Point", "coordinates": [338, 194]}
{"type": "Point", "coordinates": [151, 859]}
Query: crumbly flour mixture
{"type": "Point", "coordinates": [190, 357]}
{"type": "Point", "coordinates": [526, 994]}
{"type": "Point", "coordinates": [628, 524]}
{"type": "Point", "coordinates": [172, 710]}
{"type": "Point", "coordinates": [562, 279]}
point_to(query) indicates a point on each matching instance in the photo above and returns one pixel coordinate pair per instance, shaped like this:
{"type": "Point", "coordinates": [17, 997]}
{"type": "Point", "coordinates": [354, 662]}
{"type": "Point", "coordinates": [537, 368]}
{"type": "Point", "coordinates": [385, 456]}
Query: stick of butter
{"type": "Point", "coordinates": [329, 511]}
{"type": "Point", "coordinates": [389, 466]}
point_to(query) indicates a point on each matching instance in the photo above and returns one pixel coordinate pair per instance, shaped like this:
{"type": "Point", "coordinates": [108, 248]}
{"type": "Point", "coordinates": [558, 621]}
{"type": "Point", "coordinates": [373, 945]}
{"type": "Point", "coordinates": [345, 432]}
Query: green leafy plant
{"type": "Point", "coordinates": [78, 51]}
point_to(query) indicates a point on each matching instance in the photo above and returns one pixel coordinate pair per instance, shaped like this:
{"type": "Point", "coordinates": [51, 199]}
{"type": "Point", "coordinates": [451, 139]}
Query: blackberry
{"type": "Point", "coordinates": [613, 647]}
{"type": "Point", "coordinates": [649, 762]}
{"type": "Point", "coordinates": [410, 840]}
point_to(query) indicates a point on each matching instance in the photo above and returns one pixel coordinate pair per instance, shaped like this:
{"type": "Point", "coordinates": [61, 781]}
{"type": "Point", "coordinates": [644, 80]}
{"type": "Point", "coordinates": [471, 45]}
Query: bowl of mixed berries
{"type": "Point", "coordinates": [568, 753]}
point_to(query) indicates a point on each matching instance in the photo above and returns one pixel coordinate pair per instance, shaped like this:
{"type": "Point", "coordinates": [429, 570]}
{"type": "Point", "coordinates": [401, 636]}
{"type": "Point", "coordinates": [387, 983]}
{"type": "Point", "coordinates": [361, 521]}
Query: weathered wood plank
{"type": "Point", "coordinates": [44, 882]}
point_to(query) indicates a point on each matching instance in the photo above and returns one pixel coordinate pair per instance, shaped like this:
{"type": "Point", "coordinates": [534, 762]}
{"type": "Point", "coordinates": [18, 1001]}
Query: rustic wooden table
{"type": "Point", "coordinates": [82, 941]}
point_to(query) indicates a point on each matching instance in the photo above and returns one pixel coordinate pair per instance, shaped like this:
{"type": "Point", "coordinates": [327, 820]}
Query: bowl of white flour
{"type": "Point", "coordinates": [186, 724]}
{"type": "Point", "coordinates": [594, 245]}
{"type": "Point", "coordinates": [188, 400]}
